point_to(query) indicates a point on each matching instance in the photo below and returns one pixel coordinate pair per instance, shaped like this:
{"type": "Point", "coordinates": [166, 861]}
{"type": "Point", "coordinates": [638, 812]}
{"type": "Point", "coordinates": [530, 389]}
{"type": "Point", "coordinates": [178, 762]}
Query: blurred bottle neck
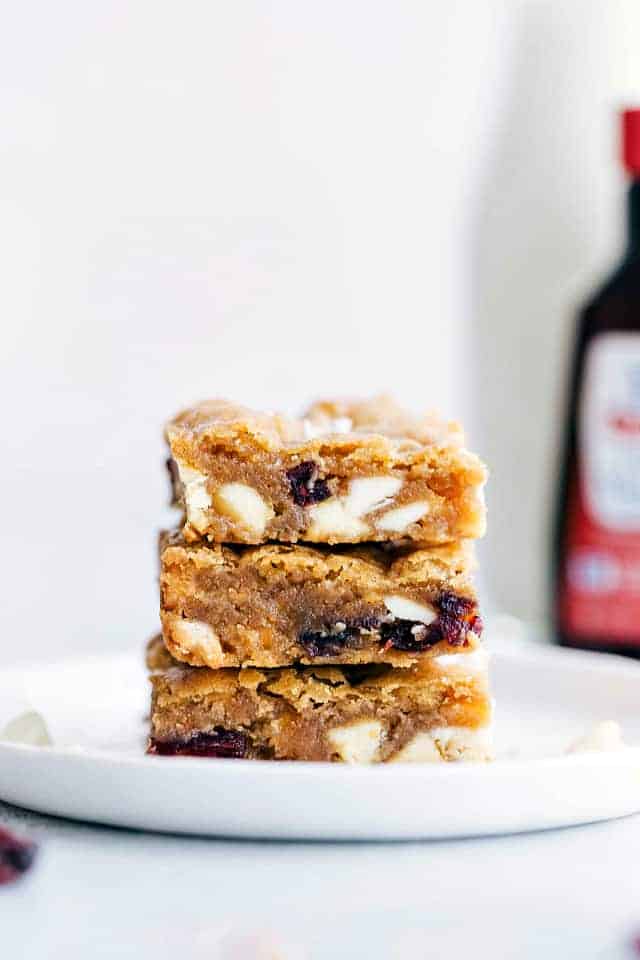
{"type": "Point", "coordinates": [633, 219]}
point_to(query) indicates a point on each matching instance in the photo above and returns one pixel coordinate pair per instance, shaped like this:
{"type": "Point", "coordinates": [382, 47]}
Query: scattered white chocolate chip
{"type": "Point", "coordinates": [330, 517]}
{"type": "Point", "coordinates": [358, 743]}
{"type": "Point", "coordinates": [194, 636]}
{"type": "Point", "coordinates": [603, 737]}
{"type": "Point", "coordinates": [398, 519]}
{"type": "Point", "coordinates": [243, 504]}
{"type": "Point", "coordinates": [28, 728]}
{"type": "Point", "coordinates": [405, 609]}
{"type": "Point", "coordinates": [422, 749]}
{"type": "Point", "coordinates": [370, 493]}
{"type": "Point", "coordinates": [196, 496]}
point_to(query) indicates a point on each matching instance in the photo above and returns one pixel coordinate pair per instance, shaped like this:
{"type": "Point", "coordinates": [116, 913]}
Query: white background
{"type": "Point", "coordinates": [272, 200]}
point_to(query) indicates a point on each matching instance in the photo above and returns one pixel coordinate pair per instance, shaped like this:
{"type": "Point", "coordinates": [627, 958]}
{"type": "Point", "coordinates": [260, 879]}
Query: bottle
{"type": "Point", "coordinates": [597, 535]}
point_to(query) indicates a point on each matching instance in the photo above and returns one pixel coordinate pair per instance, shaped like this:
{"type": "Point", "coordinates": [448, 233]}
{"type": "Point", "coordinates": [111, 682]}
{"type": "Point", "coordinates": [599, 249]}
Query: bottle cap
{"type": "Point", "coordinates": [631, 140]}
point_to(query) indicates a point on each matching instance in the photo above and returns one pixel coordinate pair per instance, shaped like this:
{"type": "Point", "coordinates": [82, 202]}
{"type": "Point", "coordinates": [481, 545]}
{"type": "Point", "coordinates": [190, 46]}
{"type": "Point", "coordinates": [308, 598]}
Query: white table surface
{"type": "Point", "coordinates": [98, 892]}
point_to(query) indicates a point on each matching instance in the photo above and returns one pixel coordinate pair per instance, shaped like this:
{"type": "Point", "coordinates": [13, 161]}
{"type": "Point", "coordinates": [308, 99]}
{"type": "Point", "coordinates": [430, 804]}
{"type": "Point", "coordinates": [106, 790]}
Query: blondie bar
{"type": "Point", "coordinates": [273, 605]}
{"type": "Point", "coordinates": [437, 711]}
{"type": "Point", "coordinates": [347, 472]}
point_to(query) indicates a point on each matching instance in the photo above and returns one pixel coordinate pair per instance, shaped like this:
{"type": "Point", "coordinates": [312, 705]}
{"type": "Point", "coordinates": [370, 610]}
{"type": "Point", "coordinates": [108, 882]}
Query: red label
{"type": "Point", "coordinates": [600, 592]}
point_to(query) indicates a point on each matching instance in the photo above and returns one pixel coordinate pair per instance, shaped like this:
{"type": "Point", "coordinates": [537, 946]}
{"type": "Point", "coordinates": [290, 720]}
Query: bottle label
{"type": "Point", "coordinates": [600, 594]}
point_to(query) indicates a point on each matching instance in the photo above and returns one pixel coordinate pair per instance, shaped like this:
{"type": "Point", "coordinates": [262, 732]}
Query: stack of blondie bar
{"type": "Point", "coordinates": [317, 600]}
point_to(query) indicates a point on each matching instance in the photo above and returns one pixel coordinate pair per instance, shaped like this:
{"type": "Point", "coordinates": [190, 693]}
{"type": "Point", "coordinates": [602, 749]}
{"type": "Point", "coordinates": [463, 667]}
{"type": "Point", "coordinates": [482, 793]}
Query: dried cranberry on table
{"type": "Point", "coordinates": [17, 855]}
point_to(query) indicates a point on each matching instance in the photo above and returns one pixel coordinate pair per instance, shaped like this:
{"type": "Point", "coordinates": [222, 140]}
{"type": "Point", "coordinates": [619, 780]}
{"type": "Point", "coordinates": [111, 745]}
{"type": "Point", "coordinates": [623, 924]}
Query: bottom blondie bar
{"type": "Point", "coordinates": [439, 710]}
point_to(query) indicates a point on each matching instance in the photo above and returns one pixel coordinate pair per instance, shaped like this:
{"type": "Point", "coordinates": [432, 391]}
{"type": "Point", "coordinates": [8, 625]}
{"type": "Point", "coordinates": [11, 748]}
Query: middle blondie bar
{"type": "Point", "coordinates": [275, 605]}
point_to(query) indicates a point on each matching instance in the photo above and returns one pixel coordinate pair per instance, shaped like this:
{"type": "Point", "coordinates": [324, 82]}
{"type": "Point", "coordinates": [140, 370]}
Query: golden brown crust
{"type": "Point", "coordinates": [224, 606]}
{"type": "Point", "coordinates": [224, 421]}
{"type": "Point", "coordinates": [228, 423]}
{"type": "Point", "coordinates": [382, 415]}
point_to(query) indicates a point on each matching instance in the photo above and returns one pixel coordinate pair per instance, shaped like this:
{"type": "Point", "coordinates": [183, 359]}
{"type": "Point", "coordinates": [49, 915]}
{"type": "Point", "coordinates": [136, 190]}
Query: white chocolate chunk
{"type": "Point", "coordinates": [243, 504]}
{"type": "Point", "coordinates": [358, 743]}
{"type": "Point", "coordinates": [604, 737]}
{"type": "Point", "coordinates": [198, 638]}
{"type": "Point", "coordinates": [324, 428]}
{"type": "Point", "coordinates": [406, 609]}
{"type": "Point", "coordinates": [479, 495]}
{"type": "Point", "coordinates": [331, 518]}
{"type": "Point", "coordinates": [475, 663]}
{"type": "Point", "coordinates": [28, 728]}
{"type": "Point", "coordinates": [447, 743]}
{"type": "Point", "coordinates": [481, 505]}
{"type": "Point", "coordinates": [370, 493]}
{"type": "Point", "coordinates": [422, 749]}
{"type": "Point", "coordinates": [463, 743]}
{"type": "Point", "coordinates": [196, 496]}
{"type": "Point", "coordinates": [400, 518]}
{"type": "Point", "coordinates": [340, 516]}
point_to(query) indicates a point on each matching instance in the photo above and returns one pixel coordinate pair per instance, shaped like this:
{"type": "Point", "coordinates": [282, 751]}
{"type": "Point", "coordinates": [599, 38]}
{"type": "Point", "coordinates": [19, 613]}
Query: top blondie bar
{"type": "Point", "coordinates": [347, 471]}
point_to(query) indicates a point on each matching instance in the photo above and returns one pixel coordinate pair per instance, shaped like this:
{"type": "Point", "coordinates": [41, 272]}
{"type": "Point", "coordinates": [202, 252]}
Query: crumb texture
{"type": "Point", "coordinates": [347, 471]}
{"type": "Point", "coordinates": [272, 605]}
{"type": "Point", "coordinates": [359, 714]}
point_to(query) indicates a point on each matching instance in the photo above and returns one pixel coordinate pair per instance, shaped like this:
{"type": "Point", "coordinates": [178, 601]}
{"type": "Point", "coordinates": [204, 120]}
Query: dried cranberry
{"type": "Point", "coordinates": [458, 616]}
{"type": "Point", "coordinates": [408, 635]}
{"type": "Point", "coordinates": [16, 856]}
{"type": "Point", "coordinates": [321, 644]}
{"type": "Point", "coordinates": [365, 623]}
{"type": "Point", "coordinates": [330, 641]}
{"type": "Point", "coordinates": [306, 488]}
{"type": "Point", "coordinates": [220, 743]}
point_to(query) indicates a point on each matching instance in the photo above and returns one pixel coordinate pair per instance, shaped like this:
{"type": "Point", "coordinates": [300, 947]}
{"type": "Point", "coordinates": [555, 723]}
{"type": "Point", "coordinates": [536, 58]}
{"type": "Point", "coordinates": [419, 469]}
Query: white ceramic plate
{"type": "Point", "coordinates": [97, 769]}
